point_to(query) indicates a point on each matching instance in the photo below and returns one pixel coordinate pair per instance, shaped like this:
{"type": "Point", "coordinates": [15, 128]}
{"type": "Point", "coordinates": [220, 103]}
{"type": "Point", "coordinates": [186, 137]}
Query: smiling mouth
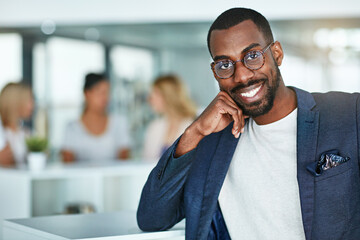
{"type": "Point", "coordinates": [251, 93]}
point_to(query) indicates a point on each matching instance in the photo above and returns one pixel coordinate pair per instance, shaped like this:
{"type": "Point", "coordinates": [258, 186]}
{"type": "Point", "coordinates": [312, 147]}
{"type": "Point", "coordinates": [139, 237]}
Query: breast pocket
{"type": "Point", "coordinates": [332, 172]}
{"type": "Point", "coordinates": [331, 201]}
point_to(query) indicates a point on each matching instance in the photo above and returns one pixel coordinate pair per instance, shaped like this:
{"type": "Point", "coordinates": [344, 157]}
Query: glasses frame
{"type": "Point", "coordinates": [262, 52]}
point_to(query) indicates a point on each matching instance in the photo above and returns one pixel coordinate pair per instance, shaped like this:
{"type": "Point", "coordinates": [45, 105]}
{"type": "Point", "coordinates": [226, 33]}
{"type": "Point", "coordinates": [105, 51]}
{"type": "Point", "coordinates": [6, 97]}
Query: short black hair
{"type": "Point", "coordinates": [234, 16]}
{"type": "Point", "coordinates": [91, 79]}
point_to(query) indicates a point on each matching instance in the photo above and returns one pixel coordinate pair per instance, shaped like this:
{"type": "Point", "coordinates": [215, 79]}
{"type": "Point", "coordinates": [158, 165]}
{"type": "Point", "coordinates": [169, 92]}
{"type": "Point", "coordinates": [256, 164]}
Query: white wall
{"type": "Point", "coordinates": [33, 12]}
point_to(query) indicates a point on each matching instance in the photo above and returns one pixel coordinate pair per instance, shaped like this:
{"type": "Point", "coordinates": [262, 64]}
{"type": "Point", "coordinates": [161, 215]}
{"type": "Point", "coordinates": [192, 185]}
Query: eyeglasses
{"type": "Point", "coordinates": [252, 60]}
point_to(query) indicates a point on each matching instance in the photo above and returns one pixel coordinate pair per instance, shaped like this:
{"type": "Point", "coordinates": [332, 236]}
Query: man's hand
{"type": "Point", "coordinates": [217, 116]}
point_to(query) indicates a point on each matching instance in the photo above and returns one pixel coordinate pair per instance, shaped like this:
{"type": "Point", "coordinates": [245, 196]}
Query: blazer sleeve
{"type": "Point", "coordinates": [358, 124]}
{"type": "Point", "coordinates": [161, 204]}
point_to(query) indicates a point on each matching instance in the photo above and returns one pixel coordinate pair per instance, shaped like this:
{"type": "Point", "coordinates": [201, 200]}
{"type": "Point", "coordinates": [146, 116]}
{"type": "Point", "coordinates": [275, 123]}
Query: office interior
{"type": "Point", "coordinates": [52, 45]}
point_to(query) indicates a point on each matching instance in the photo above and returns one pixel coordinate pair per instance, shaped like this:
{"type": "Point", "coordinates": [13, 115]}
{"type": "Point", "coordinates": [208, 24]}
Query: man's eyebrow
{"type": "Point", "coordinates": [221, 57]}
{"type": "Point", "coordinates": [250, 47]}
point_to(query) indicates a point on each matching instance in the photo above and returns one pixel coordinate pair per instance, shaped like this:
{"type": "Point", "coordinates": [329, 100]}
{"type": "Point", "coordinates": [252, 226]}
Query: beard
{"type": "Point", "coordinates": [262, 106]}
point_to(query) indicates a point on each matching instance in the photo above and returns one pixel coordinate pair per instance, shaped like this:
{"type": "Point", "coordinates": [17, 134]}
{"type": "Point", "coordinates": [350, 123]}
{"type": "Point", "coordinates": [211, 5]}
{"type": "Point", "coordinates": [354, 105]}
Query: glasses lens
{"type": "Point", "coordinates": [254, 60]}
{"type": "Point", "coordinates": [224, 69]}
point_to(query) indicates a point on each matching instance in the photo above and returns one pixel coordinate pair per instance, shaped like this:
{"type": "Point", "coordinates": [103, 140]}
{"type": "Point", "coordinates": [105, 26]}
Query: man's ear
{"type": "Point", "coordinates": [277, 52]}
{"type": "Point", "coordinates": [86, 94]}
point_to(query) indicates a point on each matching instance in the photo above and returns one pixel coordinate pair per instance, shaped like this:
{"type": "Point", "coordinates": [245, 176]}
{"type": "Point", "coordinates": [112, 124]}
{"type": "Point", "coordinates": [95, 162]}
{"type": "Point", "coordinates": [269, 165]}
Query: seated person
{"type": "Point", "coordinates": [96, 136]}
{"type": "Point", "coordinates": [16, 105]}
{"type": "Point", "coordinates": [169, 99]}
{"type": "Point", "coordinates": [6, 156]}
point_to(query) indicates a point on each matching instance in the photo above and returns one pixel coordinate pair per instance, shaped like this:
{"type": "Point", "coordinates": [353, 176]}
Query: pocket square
{"type": "Point", "coordinates": [329, 159]}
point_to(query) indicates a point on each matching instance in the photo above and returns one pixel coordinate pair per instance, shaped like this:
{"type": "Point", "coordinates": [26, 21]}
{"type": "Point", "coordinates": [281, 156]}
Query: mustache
{"type": "Point", "coordinates": [245, 85]}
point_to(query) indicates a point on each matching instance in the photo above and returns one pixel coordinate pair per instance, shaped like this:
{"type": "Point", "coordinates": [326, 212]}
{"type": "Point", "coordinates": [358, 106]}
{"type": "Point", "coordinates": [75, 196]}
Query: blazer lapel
{"type": "Point", "coordinates": [307, 133]}
{"type": "Point", "coordinates": [218, 168]}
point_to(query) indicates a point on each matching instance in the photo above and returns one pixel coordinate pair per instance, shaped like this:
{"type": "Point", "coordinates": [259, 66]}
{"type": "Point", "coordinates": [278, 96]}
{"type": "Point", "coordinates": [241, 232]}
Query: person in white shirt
{"type": "Point", "coordinates": [16, 105]}
{"type": "Point", "coordinates": [169, 99]}
{"type": "Point", "coordinates": [96, 136]}
{"type": "Point", "coordinates": [6, 156]}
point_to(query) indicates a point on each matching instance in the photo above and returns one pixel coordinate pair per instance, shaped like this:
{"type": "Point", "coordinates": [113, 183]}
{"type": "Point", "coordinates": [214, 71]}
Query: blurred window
{"type": "Point", "coordinates": [345, 76]}
{"type": "Point", "coordinates": [40, 73]}
{"type": "Point", "coordinates": [132, 63]}
{"type": "Point", "coordinates": [303, 73]}
{"type": "Point", "coordinates": [69, 61]}
{"type": "Point", "coordinates": [60, 66]}
{"type": "Point", "coordinates": [133, 69]}
{"type": "Point", "coordinates": [10, 58]}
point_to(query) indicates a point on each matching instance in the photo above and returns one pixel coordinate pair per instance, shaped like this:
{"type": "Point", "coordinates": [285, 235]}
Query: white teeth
{"type": "Point", "coordinates": [251, 93]}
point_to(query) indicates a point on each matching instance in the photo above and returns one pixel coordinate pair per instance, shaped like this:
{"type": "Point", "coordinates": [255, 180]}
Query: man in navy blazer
{"type": "Point", "coordinates": [263, 161]}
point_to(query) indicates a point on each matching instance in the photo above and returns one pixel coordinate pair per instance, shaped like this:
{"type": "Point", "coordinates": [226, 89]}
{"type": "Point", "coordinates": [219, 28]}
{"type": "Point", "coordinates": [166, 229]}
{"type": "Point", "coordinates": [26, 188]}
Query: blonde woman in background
{"type": "Point", "coordinates": [16, 105]}
{"type": "Point", "coordinates": [169, 99]}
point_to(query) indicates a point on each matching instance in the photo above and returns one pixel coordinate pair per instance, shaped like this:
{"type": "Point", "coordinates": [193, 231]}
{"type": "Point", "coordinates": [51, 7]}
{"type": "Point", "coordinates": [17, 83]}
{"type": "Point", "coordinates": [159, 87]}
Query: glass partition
{"type": "Point", "coordinates": [10, 58]}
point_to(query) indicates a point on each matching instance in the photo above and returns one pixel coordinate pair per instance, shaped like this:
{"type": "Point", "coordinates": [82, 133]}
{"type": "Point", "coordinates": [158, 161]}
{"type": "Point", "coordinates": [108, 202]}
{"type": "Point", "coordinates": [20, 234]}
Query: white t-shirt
{"type": "Point", "coordinates": [16, 140]}
{"type": "Point", "coordinates": [97, 148]}
{"type": "Point", "coordinates": [260, 195]}
{"type": "Point", "coordinates": [2, 136]}
{"type": "Point", "coordinates": [154, 143]}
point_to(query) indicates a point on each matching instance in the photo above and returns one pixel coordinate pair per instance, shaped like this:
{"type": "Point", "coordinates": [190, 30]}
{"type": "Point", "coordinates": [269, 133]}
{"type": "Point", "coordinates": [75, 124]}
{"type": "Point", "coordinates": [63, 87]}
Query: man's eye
{"type": "Point", "coordinates": [254, 55]}
{"type": "Point", "coordinates": [225, 65]}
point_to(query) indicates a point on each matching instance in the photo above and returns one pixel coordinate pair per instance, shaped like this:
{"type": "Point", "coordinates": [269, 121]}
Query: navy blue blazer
{"type": "Point", "coordinates": [189, 186]}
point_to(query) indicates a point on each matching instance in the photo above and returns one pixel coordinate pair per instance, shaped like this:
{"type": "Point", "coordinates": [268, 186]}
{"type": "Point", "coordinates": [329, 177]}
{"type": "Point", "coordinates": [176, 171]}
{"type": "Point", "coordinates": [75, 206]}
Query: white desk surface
{"type": "Point", "coordinates": [26, 193]}
{"type": "Point", "coordinates": [109, 226]}
{"type": "Point", "coordinates": [61, 170]}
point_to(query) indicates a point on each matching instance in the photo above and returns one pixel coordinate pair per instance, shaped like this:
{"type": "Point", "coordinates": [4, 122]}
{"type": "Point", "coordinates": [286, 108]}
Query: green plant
{"type": "Point", "coordinates": [36, 144]}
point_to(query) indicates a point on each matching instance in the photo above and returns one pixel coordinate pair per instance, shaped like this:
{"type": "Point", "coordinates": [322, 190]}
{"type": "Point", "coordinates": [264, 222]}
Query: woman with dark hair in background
{"type": "Point", "coordinates": [96, 136]}
{"type": "Point", "coordinates": [168, 98]}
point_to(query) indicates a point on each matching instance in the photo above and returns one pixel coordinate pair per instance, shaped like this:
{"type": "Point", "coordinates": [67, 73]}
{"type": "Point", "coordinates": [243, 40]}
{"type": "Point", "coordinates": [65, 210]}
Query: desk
{"type": "Point", "coordinates": [107, 226]}
{"type": "Point", "coordinates": [112, 186]}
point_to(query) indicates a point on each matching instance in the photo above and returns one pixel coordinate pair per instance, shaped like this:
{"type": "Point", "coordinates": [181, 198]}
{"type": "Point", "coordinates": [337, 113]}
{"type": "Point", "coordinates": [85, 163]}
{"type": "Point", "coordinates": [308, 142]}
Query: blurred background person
{"type": "Point", "coordinates": [96, 136]}
{"type": "Point", "coordinates": [6, 156]}
{"type": "Point", "coordinates": [169, 99]}
{"type": "Point", "coordinates": [16, 105]}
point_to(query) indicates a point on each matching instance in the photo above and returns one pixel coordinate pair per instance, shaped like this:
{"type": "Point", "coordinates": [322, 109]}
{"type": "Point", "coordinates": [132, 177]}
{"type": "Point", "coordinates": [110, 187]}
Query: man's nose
{"type": "Point", "coordinates": [242, 73]}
